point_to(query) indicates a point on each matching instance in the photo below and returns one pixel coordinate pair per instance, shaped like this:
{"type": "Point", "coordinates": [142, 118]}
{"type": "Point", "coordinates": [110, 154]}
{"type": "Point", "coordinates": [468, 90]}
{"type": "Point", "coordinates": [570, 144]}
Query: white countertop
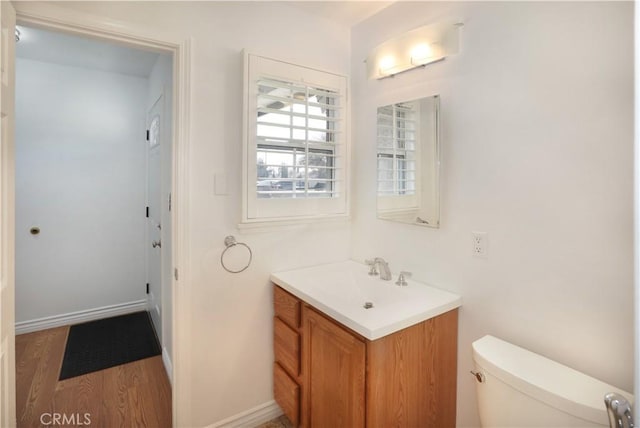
{"type": "Point", "coordinates": [341, 289]}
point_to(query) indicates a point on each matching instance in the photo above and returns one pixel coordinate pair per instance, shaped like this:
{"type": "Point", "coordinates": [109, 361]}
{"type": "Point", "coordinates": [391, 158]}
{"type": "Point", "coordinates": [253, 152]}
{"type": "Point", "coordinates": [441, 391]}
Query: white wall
{"type": "Point", "coordinates": [231, 315]}
{"type": "Point", "coordinates": [80, 178]}
{"type": "Point", "coordinates": [537, 150]}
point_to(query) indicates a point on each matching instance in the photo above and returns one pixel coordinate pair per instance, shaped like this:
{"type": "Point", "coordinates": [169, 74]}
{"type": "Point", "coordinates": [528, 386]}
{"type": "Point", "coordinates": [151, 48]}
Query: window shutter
{"type": "Point", "coordinates": [298, 129]}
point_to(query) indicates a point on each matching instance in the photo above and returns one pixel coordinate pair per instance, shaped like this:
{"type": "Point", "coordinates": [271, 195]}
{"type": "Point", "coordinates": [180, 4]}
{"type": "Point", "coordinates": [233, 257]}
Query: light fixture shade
{"type": "Point", "coordinates": [415, 48]}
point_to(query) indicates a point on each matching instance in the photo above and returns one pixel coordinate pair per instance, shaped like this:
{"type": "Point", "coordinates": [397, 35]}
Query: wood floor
{"type": "Point", "coordinates": [137, 394]}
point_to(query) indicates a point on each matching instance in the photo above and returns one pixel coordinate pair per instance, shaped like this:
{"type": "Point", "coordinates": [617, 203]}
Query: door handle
{"type": "Point", "coordinates": [155, 244]}
{"type": "Point", "coordinates": [619, 411]}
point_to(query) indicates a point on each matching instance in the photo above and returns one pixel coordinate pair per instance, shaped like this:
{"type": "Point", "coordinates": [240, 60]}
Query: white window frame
{"type": "Point", "coordinates": [288, 210]}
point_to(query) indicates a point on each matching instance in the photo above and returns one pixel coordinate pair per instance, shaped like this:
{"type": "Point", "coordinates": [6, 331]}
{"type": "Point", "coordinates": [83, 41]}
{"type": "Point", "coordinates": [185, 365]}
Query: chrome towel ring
{"type": "Point", "coordinates": [230, 242]}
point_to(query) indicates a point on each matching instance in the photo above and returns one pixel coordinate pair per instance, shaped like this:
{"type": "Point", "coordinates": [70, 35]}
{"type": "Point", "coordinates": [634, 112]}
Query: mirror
{"type": "Point", "coordinates": [408, 162]}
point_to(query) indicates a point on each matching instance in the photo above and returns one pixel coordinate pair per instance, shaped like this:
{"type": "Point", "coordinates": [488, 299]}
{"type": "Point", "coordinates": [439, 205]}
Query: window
{"type": "Point", "coordinates": [398, 159]}
{"type": "Point", "coordinates": [295, 148]}
{"type": "Point", "coordinates": [397, 149]}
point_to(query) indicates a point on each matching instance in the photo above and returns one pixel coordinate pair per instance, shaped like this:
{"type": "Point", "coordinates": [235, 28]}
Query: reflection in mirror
{"type": "Point", "coordinates": [408, 162]}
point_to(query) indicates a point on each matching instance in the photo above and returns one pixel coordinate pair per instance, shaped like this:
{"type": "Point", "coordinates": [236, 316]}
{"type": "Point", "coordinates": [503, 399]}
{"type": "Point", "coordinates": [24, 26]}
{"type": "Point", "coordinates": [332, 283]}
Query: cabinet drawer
{"type": "Point", "coordinates": [287, 307]}
{"type": "Point", "coordinates": [287, 394]}
{"type": "Point", "coordinates": [286, 347]}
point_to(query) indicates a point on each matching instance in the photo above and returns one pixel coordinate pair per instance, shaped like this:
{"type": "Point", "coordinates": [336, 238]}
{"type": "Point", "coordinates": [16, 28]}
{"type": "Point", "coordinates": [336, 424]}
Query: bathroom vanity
{"type": "Point", "coordinates": [336, 368]}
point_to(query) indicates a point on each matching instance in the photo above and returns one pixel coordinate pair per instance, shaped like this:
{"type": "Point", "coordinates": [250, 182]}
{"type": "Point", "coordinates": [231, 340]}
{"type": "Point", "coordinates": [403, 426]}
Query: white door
{"type": "Point", "coordinates": [7, 207]}
{"type": "Point", "coordinates": [154, 214]}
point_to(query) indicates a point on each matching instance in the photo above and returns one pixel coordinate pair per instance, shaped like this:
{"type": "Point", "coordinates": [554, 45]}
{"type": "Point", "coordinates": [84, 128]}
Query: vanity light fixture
{"type": "Point", "coordinates": [416, 48]}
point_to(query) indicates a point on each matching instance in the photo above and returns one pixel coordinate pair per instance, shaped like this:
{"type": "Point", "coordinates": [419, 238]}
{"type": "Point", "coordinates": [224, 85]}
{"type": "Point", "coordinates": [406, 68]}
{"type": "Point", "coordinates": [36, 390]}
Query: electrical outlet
{"type": "Point", "coordinates": [480, 244]}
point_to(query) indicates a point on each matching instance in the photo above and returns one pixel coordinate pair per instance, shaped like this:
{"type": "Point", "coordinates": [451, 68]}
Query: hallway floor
{"type": "Point", "coordinates": [135, 394]}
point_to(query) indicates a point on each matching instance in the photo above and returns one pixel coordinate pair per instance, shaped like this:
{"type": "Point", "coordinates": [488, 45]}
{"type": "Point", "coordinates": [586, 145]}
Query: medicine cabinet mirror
{"type": "Point", "coordinates": [408, 151]}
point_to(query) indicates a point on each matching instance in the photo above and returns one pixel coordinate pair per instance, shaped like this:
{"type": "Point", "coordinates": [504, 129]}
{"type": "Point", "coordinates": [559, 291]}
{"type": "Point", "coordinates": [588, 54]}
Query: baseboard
{"type": "Point", "coordinates": [80, 316]}
{"type": "Point", "coordinates": [252, 417]}
{"type": "Point", "coordinates": [167, 364]}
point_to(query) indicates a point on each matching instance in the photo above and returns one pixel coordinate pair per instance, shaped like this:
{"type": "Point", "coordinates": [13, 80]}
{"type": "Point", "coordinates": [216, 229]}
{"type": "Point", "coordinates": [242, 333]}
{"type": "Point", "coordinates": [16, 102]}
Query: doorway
{"type": "Point", "coordinates": [45, 15]}
{"type": "Point", "coordinates": [93, 183]}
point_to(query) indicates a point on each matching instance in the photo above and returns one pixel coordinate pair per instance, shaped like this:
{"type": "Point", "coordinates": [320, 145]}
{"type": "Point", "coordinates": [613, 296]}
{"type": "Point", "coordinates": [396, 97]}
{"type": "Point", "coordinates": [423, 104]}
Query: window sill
{"type": "Point", "coordinates": [257, 226]}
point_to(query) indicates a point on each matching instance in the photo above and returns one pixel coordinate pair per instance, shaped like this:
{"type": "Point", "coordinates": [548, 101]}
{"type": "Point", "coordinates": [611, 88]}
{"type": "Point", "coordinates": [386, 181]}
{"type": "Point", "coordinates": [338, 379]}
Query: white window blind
{"type": "Point", "coordinates": [296, 146]}
{"type": "Point", "coordinates": [296, 130]}
{"type": "Point", "coordinates": [397, 136]}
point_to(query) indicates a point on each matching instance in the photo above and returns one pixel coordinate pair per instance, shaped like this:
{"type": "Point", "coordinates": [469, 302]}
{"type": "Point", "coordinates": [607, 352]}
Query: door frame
{"type": "Point", "coordinates": [54, 17]}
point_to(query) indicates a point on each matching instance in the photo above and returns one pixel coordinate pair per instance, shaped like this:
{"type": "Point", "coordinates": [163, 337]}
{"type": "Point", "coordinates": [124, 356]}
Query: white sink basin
{"type": "Point", "coordinates": [341, 290]}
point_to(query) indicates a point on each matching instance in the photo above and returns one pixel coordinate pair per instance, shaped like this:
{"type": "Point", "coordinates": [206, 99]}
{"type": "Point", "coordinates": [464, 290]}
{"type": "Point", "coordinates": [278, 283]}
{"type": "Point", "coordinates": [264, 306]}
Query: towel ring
{"type": "Point", "coordinates": [229, 242]}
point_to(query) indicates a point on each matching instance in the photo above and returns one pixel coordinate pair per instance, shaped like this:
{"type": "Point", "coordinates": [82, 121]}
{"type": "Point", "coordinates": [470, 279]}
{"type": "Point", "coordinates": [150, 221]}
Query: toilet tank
{"type": "Point", "coordinates": [524, 389]}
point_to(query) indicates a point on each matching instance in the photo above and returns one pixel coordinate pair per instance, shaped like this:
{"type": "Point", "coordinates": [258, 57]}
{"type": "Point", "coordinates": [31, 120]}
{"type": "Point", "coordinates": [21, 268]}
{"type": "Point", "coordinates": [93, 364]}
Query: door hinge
{"type": "Point", "coordinates": [147, 288]}
{"type": "Point", "coordinates": [148, 135]}
{"type": "Point", "coordinates": [147, 212]}
{"type": "Point", "coordinates": [169, 201]}
{"type": "Point", "coordinates": [175, 273]}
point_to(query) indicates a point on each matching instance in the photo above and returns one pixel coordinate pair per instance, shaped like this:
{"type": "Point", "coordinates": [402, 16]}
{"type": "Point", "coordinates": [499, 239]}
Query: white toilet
{"type": "Point", "coordinates": [517, 388]}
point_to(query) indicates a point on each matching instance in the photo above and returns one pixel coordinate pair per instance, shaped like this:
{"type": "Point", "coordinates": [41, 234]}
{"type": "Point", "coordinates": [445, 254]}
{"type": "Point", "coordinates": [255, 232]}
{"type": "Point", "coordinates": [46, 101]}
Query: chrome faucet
{"type": "Point", "coordinates": [382, 265]}
{"type": "Point", "coordinates": [373, 271]}
{"type": "Point", "coordinates": [402, 278]}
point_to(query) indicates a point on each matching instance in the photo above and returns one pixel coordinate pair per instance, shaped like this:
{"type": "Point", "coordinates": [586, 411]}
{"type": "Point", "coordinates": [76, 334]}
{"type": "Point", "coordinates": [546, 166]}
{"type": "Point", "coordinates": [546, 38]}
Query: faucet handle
{"type": "Point", "coordinates": [372, 267]}
{"type": "Point", "coordinates": [402, 278]}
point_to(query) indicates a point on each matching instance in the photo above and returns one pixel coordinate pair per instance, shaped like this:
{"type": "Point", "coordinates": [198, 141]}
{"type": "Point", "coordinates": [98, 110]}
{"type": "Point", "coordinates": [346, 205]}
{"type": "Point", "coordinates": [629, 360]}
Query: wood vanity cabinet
{"type": "Point", "coordinates": [327, 376]}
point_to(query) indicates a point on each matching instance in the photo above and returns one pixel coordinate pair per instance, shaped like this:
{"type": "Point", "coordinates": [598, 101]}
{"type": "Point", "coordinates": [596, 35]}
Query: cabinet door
{"type": "Point", "coordinates": [334, 359]}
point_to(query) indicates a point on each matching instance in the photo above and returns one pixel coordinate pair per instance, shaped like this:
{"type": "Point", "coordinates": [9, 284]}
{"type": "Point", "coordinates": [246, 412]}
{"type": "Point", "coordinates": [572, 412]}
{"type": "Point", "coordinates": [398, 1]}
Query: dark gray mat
{"type": "Point", "coordinates": [98, 345]}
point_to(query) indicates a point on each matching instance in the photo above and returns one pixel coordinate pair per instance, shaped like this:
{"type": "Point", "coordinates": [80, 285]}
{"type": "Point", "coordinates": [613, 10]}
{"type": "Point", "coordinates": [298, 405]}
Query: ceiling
{"type": "Point", "coordinates": [64, 49]}
{"type": "Point", "coordinates": [345, 12]}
